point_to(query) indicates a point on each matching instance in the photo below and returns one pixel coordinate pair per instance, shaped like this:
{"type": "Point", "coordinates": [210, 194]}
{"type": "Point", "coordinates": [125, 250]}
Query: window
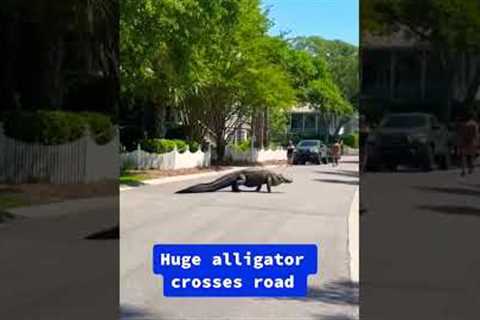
{"type": "Point", "coordinates": [310, 122]}
{"type": "Point", "coordinates": [297, 121]}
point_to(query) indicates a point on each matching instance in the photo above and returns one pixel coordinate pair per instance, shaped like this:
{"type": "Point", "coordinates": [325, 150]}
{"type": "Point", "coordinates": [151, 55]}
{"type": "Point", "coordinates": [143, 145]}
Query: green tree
{"type": "Point", "coordinates": [450, 27]}
{"type": "Point", "coordinates": [341, 59]}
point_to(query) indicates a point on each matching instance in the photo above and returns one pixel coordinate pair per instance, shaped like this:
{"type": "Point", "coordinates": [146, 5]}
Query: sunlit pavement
{"type": "Point", "coordinates": [408, 215]}
{"type": "Point", "coordinates": [313, 209]}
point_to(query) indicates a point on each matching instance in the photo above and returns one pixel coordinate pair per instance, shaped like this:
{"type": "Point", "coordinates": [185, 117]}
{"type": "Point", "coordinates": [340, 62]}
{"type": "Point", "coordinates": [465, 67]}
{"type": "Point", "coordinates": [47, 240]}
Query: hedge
{"type": "Point", "coordinates": [158, 145]}
{"type": "Point", "coordinates": [242, 146]}
{"type": "Point", "coordinates": [181, 145]}
{"type": "Point", "coordinates": [351, 140]}
{"type": "Point", "coordinates": [193, 146]}
{"type": "Point", "coordinates": [57, 127]}
{"type": "Point", "coordinates": [166, 145]}
{"type": "Point", "coordinates": [101, 128]}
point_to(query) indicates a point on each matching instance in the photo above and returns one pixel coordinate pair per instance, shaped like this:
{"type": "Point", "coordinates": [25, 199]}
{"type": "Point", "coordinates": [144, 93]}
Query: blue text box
{"type": "Point", "coordinates": [235, 270]}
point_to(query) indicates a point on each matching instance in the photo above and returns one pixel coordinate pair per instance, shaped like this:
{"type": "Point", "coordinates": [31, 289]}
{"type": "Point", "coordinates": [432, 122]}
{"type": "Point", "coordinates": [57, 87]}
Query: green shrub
{"type": "Point", "coordinates": [274, 145]}
{"type": "Point", "coordinates": [45, 127]}
{"type": "Point", "coordinates": [181, 145]}
{"type": "Point", "coordinates": [57, 127]}
{"type": "Point", "coordinates": [193, 146]}
{"type": "Point", "coordinates": [351, 140]}
{"type": "Point", "coordinates": [242, 146]}
{"type": "Point", "coordinates": [101, 127]}
{"type": "Point", "coordinates": [158, 145]}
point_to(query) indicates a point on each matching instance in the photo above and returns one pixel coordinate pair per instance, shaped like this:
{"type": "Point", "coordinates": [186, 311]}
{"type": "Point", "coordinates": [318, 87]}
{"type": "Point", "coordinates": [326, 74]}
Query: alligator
{"type": "Point", "coordinates": [248, 178]}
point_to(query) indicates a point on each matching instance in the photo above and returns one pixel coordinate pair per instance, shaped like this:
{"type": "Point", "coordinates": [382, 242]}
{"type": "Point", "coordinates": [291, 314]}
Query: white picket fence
{"type": "Point", "coordinates": [173, 160]}
{"type": "Point", "coordinates": [80, 161]}
{"type": "Point", "coordinates": [255, 155]}
{"type": "Point", "coordinates": [142, 160]}
{"type": "Point", "coordinates": [347, 151]}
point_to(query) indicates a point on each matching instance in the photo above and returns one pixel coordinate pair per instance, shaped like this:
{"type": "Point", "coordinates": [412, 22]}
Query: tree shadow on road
{"type": "Point", "coordinates": [344, 173]}
{"type": "Point", "coordinates": [106, 234]}
{"type": "Point", "coordinates": [348, 182]}
{"type": "Point", "coordinates": [333, 317]}
{"type": "Point", "coordinates": [349, 161]}
{"type": "Point", "coordinates": [136, 313]}
{"type": "Point", "coordinates": [457, 210]}
{"type": "Point", "coordinates": [337, 292]}
{"type": "Point", "coordinates": [456, 191]}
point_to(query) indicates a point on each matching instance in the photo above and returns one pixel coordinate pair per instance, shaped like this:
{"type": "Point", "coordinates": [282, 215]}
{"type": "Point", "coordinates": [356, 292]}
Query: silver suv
{"type": "Point", "coordinates": [417, 139]}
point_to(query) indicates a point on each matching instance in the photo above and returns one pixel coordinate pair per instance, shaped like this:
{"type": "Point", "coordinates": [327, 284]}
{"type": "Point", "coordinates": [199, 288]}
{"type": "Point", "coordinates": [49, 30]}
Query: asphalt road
{"type": "Point", "coordinates": [50, 271]}
{"type": "Point", "coordinates": [419, 245]}
{"type": "Point", "coordinates": [313, 209]}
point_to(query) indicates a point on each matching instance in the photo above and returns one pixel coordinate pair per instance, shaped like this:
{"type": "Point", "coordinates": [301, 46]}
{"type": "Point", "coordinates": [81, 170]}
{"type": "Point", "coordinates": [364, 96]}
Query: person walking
{"type": "Point", "coordinates": [336, 150]}
{"type": "Point", "coordinates": [290, 150]}
{"type": "Point", "coordinates": [468, 140]}
{"type": "Point", "coordinates": [364, 131]}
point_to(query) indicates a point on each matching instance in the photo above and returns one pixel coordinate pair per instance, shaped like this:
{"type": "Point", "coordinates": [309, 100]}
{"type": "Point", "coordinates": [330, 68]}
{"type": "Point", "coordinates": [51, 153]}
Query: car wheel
{"type": "Point", "coordinates": [391, 167]}
{"type": "Point", "coordinates": [325, 160]}
{"type": "Point", "coordinates": [428, 160]}
{"type": "Point", "coordinates": [445, 162]}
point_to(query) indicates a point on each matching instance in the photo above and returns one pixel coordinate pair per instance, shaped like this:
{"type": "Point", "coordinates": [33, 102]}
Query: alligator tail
{"type": "Point", "coordinates": [215, 185]}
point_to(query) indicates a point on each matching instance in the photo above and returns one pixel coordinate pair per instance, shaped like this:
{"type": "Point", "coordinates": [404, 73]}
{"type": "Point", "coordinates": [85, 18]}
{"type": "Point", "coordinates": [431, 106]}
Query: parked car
{"type": "Point", "coordinates": [415, 139]}
{"type": "Point", "coordinates": [310, 150]}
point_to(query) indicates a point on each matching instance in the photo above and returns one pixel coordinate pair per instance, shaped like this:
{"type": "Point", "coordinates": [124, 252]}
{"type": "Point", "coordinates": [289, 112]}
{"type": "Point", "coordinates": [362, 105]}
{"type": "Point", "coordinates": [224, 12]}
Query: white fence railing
{"type": "Point", "coordinates": [350, 151]}
{"type": "Point", "coordinates": [256, 155]}
{"type": "Point", "coordinates": [142, 160]}
{"type": "Point", "coordinates": [173, 160]}
{"type": "Point", "coordinates": [80, 161]}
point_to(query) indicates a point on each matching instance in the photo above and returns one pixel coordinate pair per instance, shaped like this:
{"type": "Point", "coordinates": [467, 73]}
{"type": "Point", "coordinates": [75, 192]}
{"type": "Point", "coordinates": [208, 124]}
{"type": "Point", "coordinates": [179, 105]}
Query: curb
{"type": "Point", "coordinates": [159, 181]}
{"type": "Point", "coordinates": [353, 238]}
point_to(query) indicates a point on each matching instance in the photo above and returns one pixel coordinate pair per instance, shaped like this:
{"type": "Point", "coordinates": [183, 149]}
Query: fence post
{"type": "Point", "coordinates": [174, 157]}
{"type": "Point", "coordinates": [209, 155]}
{"type": "Point", "coordinates": [137, 164]}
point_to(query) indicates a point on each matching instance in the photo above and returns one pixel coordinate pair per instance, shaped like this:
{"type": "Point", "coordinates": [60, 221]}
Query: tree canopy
{"type": "Point", "coordinates": [450, 27]}
{"type": "Point", "coordinates": [215, 62]}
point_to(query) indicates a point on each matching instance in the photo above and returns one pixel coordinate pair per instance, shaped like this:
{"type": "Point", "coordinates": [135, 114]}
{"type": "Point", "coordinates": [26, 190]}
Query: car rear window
{"type": "Point", "coordinates": [405, 122]}
{"type": "Point", "coordinates": [308, 144]}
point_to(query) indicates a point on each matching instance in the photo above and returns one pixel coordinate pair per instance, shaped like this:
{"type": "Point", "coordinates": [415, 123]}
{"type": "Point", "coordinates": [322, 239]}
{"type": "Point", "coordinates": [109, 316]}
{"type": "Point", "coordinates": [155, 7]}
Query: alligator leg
{"type": "Point", "coordinates": [259, 187]}
{"type": "Point", "coordinates": [269, 183]}
{"type": "Point", "coordinates": [240, 181]}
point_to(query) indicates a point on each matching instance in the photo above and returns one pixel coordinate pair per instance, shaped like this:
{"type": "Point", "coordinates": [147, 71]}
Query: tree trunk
{"type": "Point", "coordinates": [10, 47]}
{"type": "Point", "coordinates": [343, 121]}
{"type": "Point", "coordinates": [473, 88]}
{"type": "Point", "coordinates": [53, 80]}
{"type": "Point", "coordinates": [220, 141]}
{"type": "Point", "coordinates": [258, 129]}
{"type": "Point", "coordinates": [266, 129]}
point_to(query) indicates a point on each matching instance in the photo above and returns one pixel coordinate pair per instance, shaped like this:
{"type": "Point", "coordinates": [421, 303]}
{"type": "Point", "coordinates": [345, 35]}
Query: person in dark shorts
{"type": "Point", "coordinates": [364, 131]}
{"type": "Point", "coordinates": [468, 139]}
{"type": "Point", "coordinates": [290, 149]}
{"type": "Point", "coordinates": [336, 152]}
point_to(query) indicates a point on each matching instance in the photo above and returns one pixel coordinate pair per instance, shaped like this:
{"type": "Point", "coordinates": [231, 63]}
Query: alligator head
{"type": "Point", "coordinates": [278, 179]}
